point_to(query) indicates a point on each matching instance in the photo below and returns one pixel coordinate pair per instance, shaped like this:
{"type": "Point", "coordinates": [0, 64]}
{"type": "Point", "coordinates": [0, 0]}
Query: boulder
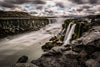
{"type": "Point", "coordinates": [22, 59]}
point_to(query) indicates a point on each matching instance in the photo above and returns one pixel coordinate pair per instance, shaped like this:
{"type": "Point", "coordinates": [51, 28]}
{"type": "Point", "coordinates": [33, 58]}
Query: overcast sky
{"type": "Point", "coordinates": [52, 7]}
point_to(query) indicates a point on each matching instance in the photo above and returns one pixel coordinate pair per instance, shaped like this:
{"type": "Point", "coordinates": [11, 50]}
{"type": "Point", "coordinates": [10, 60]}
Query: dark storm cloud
{"type": "Point", "coordinates": [39, 7]}
{"type": "Point", "coordinates": [60, 4]}
{"type": "Point", "coordinates": [86, 1]}
{"type": "Point", "coordinates": [76, 1]}
{"type": "Point", "coordinates": [34, 12]}
{"type": "Point", "coordinates": [12, 3]}
{"type": "Point", "coordinates": [79, 10]}
{"type": "Point", "coordinates": [94, 1]}
{"type": "Point", "coordinates": [38, 2]}
{"type": "Point", "coordinates": [5, 4]}
{"type": "Point", "coordinates": [48, 11]}
{"type": "Point", "coordinates": [86, 7]}
{"type": "Point", "coordinates": [82, 9]}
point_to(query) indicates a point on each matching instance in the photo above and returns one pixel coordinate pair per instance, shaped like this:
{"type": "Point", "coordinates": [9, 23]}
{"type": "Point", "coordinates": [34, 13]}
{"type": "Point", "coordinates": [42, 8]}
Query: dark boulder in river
{"type": "Point", "coordinates": [22, 59]}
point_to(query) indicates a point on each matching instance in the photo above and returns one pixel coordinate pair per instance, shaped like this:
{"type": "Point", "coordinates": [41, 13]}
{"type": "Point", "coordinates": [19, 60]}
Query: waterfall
{"type": "Point", "coordinates": [68, 29]}
{"type": "Point", "coordinates": [69, 34]}
{"type": "Point", "coordinates": [49, 21]}
{"type": "Point", "coordinates": [58, 22]}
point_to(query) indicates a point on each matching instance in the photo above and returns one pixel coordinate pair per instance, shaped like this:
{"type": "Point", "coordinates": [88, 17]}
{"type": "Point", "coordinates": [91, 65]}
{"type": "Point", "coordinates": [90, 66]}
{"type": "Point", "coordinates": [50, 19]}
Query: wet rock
{"type": "Point", "coordinates": [47, 46]}
{"type": "Point", "coordinates": [22, 59]}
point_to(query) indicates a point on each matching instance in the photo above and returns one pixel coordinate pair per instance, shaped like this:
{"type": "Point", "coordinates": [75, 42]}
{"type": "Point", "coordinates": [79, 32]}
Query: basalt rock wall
{"type": "Point", "coordinates": [13, 26]}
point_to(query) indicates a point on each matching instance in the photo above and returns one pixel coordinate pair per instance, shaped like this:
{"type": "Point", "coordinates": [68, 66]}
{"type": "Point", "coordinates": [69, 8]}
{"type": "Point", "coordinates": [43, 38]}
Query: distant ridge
{"type": "Point", "coordinates": [13, 14]}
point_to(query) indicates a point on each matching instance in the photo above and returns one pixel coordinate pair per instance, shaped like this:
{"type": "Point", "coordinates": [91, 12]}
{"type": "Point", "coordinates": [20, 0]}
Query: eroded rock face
{"type": "Point", "coordinates": [83, 52]}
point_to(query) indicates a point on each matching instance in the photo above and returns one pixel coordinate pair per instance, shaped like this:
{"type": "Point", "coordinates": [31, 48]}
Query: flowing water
{"type": "Point", "coordinates": [29, 44]}
{"type": "Point", "coordinates": [69, 33]}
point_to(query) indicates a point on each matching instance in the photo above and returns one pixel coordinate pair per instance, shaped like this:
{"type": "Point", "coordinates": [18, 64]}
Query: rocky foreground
{"type": "Point", "coordinates": [82, 52]}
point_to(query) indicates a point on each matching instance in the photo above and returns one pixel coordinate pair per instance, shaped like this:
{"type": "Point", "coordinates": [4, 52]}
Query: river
{"type": "Point", "coordinates": [29, 44]}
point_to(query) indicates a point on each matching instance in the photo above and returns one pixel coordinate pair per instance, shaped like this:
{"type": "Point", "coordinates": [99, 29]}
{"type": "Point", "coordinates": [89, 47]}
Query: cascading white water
{"type": "Point", "coordinates": [70, 33]}
{"type": "Point", "coordinates": [67, 32]}
{"type": "Point", "coordinates": [49, 20]}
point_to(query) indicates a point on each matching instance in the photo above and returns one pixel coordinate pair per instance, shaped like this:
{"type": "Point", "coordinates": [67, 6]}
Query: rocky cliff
{"type": "Point", "coordinates": [12, 22]}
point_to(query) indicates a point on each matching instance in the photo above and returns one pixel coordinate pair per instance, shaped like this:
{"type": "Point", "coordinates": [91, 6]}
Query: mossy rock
{"type": "Point", "coordinates": [55, 38]}
{"type": "Point", "coordinates": [62, 38]}
{"type": "Point", "coordinates": [47, 46]}
{"type": "Point", "coordinates": [54, 42]}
